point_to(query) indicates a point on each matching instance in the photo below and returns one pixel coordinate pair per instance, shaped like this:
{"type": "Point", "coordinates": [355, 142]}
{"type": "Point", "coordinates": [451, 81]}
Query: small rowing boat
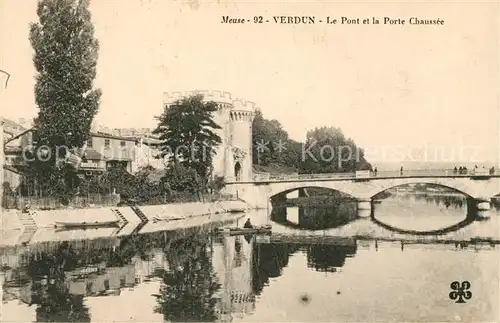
{"type": "Point", "coordinates": [236, 210]}
{"type": "Point", "coordinates": [80, 225]}
{"type": "Point", "coordinates": [266, 229]}
{"type": "Point", "coordinates": [156, 219]}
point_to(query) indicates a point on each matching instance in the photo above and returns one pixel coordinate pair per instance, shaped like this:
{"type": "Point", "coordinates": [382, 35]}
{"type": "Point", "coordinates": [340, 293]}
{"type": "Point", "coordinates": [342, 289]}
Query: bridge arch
{"type": "Point", "coordinates": [455, 189]}
{"type": "Point", "coordinates": [366, 189]}
{"type": "Point", "coordinates": [287, 191]}
{"type": "Point", "coordinates": [440, 231]}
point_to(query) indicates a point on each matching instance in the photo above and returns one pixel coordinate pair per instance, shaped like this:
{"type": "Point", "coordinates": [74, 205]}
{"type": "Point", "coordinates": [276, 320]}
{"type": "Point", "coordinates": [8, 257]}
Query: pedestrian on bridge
{"type": "Point", "coordinates": [401, 171]}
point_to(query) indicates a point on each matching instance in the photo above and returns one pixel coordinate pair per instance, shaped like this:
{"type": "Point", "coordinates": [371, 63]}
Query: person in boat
{"type": "Point", "coordinates": [248, 224]}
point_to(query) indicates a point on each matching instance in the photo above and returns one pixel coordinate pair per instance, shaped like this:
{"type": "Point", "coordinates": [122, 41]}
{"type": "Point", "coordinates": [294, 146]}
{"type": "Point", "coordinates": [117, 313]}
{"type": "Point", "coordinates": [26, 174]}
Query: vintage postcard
{"type": "Point", "coordinates": [249, 161]}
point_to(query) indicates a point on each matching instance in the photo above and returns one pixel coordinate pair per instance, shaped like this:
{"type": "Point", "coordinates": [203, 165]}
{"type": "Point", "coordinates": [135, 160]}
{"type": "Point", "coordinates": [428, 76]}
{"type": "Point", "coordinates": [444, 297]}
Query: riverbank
{"type": "Point", "coordinates": [19, 228]}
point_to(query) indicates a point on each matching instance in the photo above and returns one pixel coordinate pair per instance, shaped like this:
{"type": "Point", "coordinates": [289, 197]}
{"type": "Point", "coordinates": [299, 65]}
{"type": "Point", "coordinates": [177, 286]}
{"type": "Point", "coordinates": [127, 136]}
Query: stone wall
{"type": "Point", "coordinates": [17, 228]}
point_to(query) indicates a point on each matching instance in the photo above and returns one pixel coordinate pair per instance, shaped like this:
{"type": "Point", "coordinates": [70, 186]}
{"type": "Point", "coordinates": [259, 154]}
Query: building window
{"type": "Point", "coordinates": [122, 144]}
{"type": "Point", "coordinates": [89, 143]}
{"type": "Point", "coordinates": [106, 143]}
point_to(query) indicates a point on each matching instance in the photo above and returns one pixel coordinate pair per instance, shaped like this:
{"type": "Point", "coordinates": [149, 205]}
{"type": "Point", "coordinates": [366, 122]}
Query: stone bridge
{"type": "Point", "coordinates": [479, 186]}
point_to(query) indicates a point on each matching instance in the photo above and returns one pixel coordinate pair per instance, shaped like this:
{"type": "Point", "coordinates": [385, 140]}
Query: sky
{"type": "Point", "coordinates": [383, 85]}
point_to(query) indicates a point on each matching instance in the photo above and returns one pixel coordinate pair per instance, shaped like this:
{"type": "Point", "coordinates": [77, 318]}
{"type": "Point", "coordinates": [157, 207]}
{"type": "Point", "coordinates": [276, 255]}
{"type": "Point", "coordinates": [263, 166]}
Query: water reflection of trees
{"type": "Point", "coordinates": [327, 258]}
{"type": "Point", "coordinates": [317, 218]}
{"type": "Point", "coordinates": [187, 292]}
{"type": "Point", "coordinates": [189, 283]}
{"type": "Point", "coordinates": [455, 201]}
{"type": "Point", "coordinates": [49, 290]}
{"type": "Point", "coordinates": [48, 266]}
{"type": "Point", "coordinates": [269, 261]}
{"type": "Point", "coordinates": [495, 201]}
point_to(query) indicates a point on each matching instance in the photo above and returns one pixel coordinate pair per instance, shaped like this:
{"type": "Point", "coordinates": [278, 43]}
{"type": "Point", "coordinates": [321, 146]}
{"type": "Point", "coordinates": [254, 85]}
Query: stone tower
{"type": "Point", "coordinates": [241, 118]}
{"type": "Point", "coordinates": [233, 158]}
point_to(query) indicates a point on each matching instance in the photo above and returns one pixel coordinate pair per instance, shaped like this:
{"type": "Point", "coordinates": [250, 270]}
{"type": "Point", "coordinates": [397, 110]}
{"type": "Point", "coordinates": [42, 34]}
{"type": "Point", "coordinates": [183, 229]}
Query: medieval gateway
{"type": "Point", "coordinates": [233, 160]}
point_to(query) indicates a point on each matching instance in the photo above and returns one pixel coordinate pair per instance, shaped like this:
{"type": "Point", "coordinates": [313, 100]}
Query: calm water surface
{"type": "Point", "coordinates": [193, 275]}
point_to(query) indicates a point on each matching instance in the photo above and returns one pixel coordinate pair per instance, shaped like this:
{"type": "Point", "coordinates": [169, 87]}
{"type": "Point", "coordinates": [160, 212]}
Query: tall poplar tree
{"type": "Point", "coordinates": [65, 57]}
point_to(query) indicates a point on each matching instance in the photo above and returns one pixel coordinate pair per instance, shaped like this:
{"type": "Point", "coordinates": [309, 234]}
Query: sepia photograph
{"type": "Point", "coordinates": [249, 161]}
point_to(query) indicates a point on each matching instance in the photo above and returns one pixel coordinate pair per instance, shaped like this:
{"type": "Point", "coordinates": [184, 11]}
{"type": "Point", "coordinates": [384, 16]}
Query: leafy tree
{"type": "Point", "coordinates": [179, 178]}
{"type": "Point", "coordinates": [59, 180]}
{"type": "Point", "coordinates": [296, 156]}
{"type": "Point", "coordinates": [65, 57]}
{"type": "Point", "coordinates": [328, 151]}
{"type": "Point", "coordinates": [187, 130]}
{"type": "Point", "coordinates": [119, 180]}
{"type": "Point", "coordinates": [145, 172]}
{"type": "Point", "coordinates": [265, 135]}
{"type": "Point", "coordinates": [216, 184]}
{"type": "Point", "coordinates": [138, 187]}
{"type": "Point", "coordinates": [92, 184]}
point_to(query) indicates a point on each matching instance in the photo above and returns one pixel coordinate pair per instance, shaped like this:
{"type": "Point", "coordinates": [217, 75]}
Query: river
{"type": "Point", "coordinates": [314, 267]}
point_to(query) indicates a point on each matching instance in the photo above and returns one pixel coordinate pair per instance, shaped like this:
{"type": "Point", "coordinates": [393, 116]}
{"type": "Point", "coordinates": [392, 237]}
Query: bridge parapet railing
{"type": "Point", "coordinates": [326, 175]}
{"type": "Point", "coordinates": [390, 173]}
{"type": "Point", "coordinates": [283, 177]}
{"type": "Point", "coordinates": [415, 172]}
{"type": "Point", "coordinates": [297, 176]}
{"type": "Point", "coordinates": [261, 177]}
{"type": "Point", "coordinates": [423, 172]}
{"type": "Point", "coordinates": [437, 172]}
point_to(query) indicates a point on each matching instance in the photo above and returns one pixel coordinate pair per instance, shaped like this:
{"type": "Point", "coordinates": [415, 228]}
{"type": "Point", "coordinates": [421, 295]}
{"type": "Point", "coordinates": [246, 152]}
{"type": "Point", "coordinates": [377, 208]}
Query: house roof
{"type": "Point", "coordinates": [92, 154]}
{"type": "Point", "coordinates": [12, 149]}
{"type": "Point", "coordinates": [110, 136]}
{"type": "Point", "coordinates": [7, 123]}
{"type": "Point", "coordinates": [151, 141]}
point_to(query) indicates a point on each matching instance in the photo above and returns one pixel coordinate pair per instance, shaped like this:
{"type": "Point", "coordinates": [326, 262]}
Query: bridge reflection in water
{"type": "Point", "coordinates": [315, 218]}
{"type": "Point", "coordinates": [184, 275]}
{"type": "Point", "coordinates": [407, 214]}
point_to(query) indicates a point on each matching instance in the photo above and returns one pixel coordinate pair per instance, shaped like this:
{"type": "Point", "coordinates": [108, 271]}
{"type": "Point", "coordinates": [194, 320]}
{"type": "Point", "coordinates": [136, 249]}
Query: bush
{"type": "Point", "coordinates": [179, 178]}
{"type": "Point", "coordinates": [216, 184]}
